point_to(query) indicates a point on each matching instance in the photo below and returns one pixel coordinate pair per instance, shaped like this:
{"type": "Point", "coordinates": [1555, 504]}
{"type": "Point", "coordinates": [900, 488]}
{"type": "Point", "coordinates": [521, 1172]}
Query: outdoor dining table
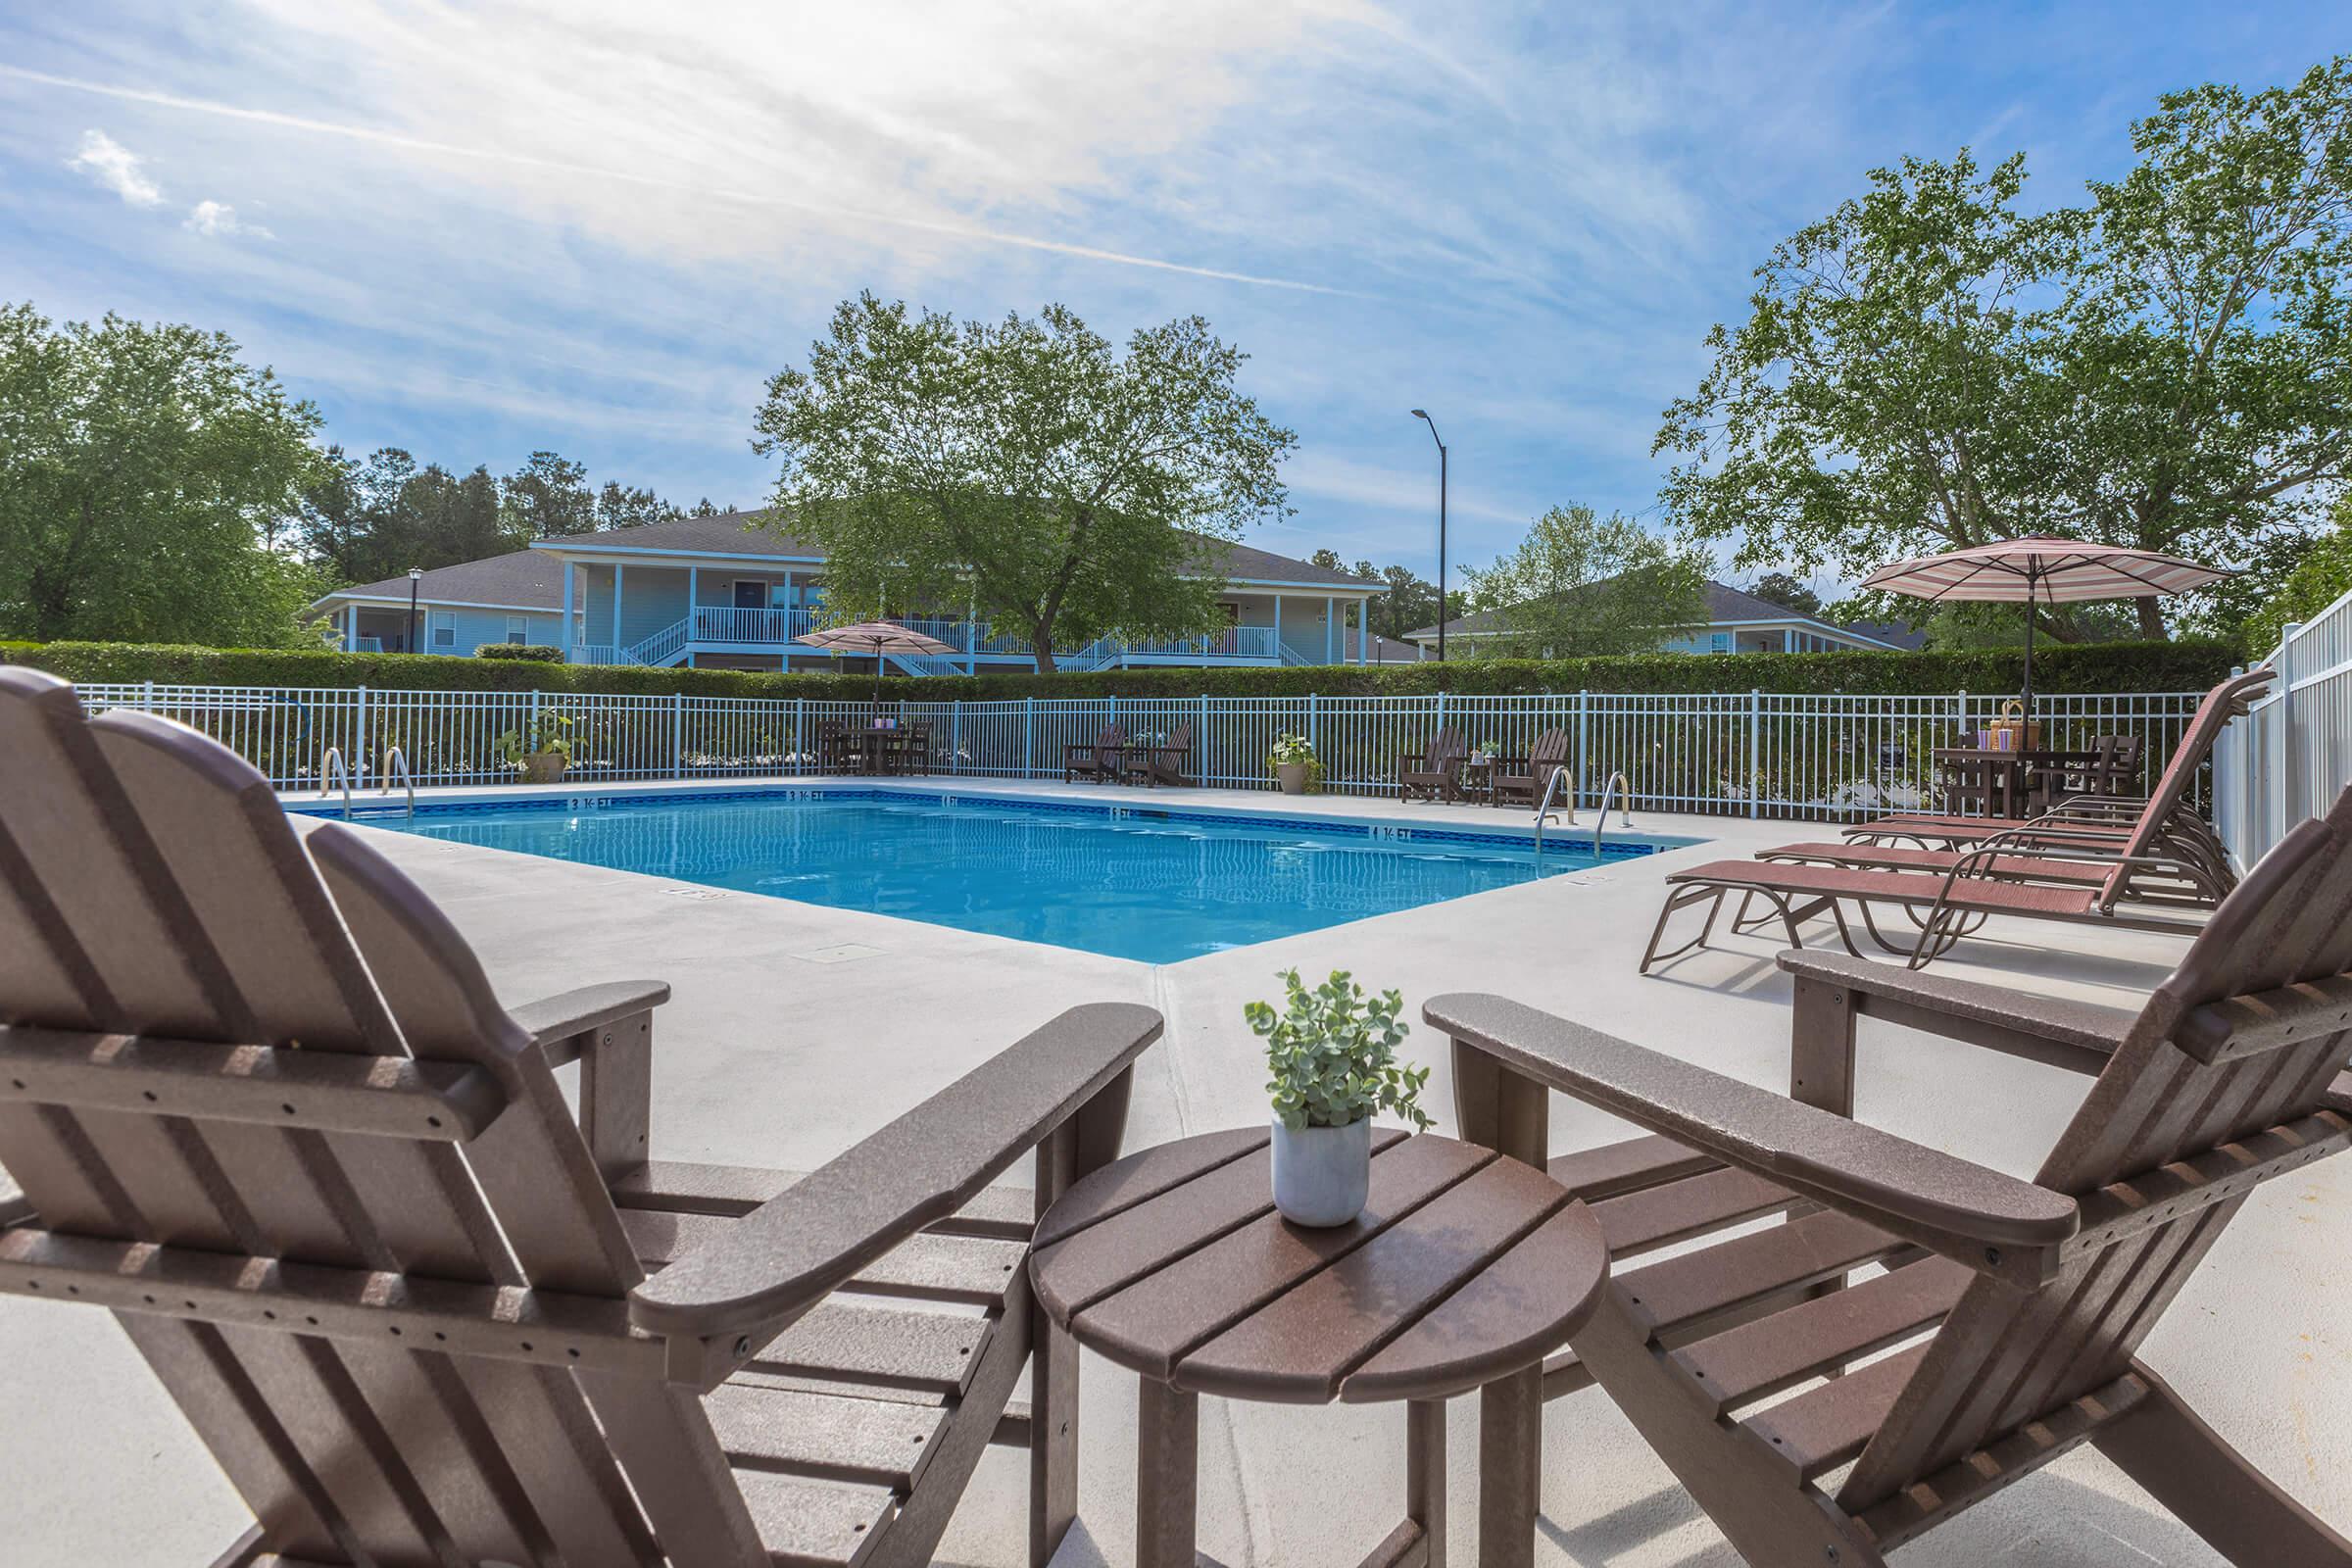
{"type": "Point", "coordinates": [870, 742]}
{"type": "Point", "coordinates": [1463, 1270]}
{"type": "Point", "coordinates": [2006, 772]}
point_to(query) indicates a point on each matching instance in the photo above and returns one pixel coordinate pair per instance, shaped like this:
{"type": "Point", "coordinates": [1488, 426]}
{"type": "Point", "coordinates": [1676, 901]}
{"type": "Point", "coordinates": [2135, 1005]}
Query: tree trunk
{"type": "Point", "coordinates": [2151, 619]}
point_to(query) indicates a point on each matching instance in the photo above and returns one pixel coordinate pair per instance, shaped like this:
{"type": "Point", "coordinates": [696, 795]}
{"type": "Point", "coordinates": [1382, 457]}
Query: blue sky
{"type": "Point", "coordinates": [598, 226]}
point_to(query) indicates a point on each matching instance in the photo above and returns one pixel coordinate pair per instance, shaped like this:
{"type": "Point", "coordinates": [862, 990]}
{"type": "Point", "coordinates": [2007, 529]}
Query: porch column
{"type": "Point", "coordinates": [692, 598]}
{"type": "Point", "coordinates": [1331, 627]}
{"type": "Point", "coordinates": [351, 628]}
{"type": "Point", "coordinates": [1363, 631]}
{"type": "Point", "coordinates": [617, 570]}
{"type": "Point", "coordinates": [1278, 628]}
{"type": "Point", "coordinates": [571, 638]}
{"type": "Point", "coordinates": [971, 631]}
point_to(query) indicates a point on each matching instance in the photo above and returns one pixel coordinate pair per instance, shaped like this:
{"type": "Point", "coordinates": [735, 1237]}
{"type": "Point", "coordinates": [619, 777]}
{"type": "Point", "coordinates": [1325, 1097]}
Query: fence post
{"type": "Point", "coordinates": [1200, 744]}
{"type": "Point", "coordinates": [956, 736]}
{"type": "Point", "coordinates": [1583, 724]}
{"type": "Point", "coordinates": [359, 738]}
{"type": "Point", "coordinates": [800, 728]}
{"type": "Point", "coordinates": [2283, 729]}
{"type": "Point", "coordinates": [677, 734]}
{"type": "Point", "coordinates": [1028, 736]}
{"type": "Point", "coordinates": [1315, 737]}
{"type": "Point", "coordinates": [1756, 752]}
{"type": "Point", "coordinates": [147, 697]}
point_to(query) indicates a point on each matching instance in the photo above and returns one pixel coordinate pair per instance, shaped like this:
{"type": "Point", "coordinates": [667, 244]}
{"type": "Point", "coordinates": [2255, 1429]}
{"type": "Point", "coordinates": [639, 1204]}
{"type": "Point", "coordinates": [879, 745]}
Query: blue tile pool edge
{"type": "Point", "coordinates": [1564, 841]}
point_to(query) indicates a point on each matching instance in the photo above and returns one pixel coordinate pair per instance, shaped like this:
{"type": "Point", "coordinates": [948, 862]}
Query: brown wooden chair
{"type": "Point", "coordinates": [2015, 1309]}
{"type": "Point", "coordinates": [1100, 762]}
{"type": "Point", "coordinates": [1437, 775]}
{"type": "Point", "coordinates": [1162, 761]}
{"type": "Point", "coordinates": [1521, 780]}
{"type": "Point", "coordinates": [265, 1108]}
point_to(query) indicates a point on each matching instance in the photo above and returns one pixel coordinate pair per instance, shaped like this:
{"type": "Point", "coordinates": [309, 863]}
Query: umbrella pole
{"type": "Point", "coordinates": [2028, 694]}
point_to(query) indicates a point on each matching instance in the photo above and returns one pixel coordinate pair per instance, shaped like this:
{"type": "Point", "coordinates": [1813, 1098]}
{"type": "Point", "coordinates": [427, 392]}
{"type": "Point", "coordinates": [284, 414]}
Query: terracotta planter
{"type": "Point", "coordinates": [545, 767]}
{"type": "Point", "coordinates": [1292, 776]}
{"type": "Point", "coordinates": [1322, 1175]}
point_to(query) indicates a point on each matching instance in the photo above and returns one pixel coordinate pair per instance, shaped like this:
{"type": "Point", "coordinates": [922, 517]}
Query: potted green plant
{"type": "Point", "coordinates": [1332, 1051]}
{"type": "Point", "coordinates": [541, 749]}
{"type": "Point", "coordinates": [1295, 765]}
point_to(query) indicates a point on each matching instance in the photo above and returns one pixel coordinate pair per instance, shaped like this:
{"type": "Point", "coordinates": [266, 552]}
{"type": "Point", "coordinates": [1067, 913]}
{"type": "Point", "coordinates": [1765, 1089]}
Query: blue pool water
{"type": "Point", "coordinates": [1138, 884]}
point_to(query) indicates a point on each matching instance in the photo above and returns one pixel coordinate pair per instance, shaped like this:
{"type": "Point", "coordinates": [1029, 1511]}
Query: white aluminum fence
{"type": "Point", "coordinates": [1752, 754]}
{"type": "Point", "coordinates": [2292, 755]}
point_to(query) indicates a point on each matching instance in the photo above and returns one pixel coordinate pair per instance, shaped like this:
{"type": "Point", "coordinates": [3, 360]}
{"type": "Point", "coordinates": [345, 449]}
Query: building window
{"type": "Point", "coordinates": [518, 631]}
{"type": "Point", "coordinates": [1720, 643]}
{"type": "Point", "coordinates": [751, 593]}
{"type": "Point", "coordinates": [445, 628]}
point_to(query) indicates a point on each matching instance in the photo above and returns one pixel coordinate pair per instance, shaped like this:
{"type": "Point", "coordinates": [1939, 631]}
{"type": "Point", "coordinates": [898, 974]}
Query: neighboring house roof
{"type": "Point", "coordinates": [521, 579]}
{"type": "Point", "coordinates": [1725, 606]}
{"type": "Point", "coordinates": [733, 533]}
{"type": "Point", "coordinates": [1389, 651]}
{"type": "Point", "coordinates": [1894, 633]}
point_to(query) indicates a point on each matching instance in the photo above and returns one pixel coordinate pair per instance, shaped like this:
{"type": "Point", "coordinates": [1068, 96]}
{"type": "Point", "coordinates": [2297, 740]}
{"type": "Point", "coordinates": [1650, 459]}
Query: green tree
{"type": "Point", "coordinates": [619, 506]}
{"type": "Point", "coordinates": [1581, 585]}
{"type": "Point", "coordinates": [143, 470]}
{"type": "Point", "coordinates": [1408, 605]}
{"type": "Point", "coordinates": [1932, 366]}
{"type": "Point", "coordinates": [548, 498]}
{"type": "Point", "coordinates": [1023, 466]}
{"type": "Point", "coordinates": [2322, 577]}
{"type": "Point", "coordinates": [1788, 591]}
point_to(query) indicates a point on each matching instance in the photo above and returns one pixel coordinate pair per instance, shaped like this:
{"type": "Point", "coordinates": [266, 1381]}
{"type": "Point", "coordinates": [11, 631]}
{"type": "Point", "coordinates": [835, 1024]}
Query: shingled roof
{"type": "Point", "coordinates": [521, 579]}
{"type": "Point", "coordinates": [1725, 606]}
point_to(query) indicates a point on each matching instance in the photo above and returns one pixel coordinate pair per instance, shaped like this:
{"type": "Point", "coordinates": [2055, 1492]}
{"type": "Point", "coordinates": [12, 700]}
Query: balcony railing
{"type": "Point", "coordinates": [720, 623]}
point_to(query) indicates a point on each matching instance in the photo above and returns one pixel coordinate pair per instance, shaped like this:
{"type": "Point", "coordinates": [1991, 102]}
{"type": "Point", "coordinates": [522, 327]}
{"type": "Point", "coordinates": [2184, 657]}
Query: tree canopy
{"type": "Point", "coordinates": [1025, 469]}
{"type": "Point", "coordinates": [1582, 586]}
{"type": "Point", "coordinates": [144, 472]}
{"type": "Point", "coordinates": [1934, 366]}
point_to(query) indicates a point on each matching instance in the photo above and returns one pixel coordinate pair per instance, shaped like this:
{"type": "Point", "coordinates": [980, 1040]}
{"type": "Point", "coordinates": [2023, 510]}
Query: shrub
{"type": "Point", "coordinates": [2185, 665]}
{"type": "Point", "coordinates": [529, 653]}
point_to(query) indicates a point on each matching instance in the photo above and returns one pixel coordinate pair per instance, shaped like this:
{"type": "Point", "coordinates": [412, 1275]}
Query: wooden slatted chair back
{"type": "Point", "coordinates": [2226, 1078]}
{"type": "Point", "coordinates": [401, 1349]}
{"type": "Point", "coordinates": [1550, 750]}
{"type": "Point", "coordinates": [2221, 705]}
{"type": "Point", "coordinates": [1447, 748]}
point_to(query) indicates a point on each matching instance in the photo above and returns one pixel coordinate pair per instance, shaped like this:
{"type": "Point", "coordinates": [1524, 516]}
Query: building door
{"type": "Point", "coordinates": [749, 595]}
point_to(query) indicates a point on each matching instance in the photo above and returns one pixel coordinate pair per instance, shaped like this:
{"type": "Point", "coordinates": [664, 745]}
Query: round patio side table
{"type": "Point", "coordinates": [1464, 1269]}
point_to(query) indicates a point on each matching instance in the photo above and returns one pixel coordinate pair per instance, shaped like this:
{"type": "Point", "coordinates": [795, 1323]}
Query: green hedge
{"type": "Point", "coordinates": [2188, 666]}
{"type": "Point", "coordinates": [529, 653]}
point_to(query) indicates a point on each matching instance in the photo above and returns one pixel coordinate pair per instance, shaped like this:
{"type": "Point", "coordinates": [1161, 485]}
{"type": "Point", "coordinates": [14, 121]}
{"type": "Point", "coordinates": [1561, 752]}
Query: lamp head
{"type": "Point", "coordinates": [1420, 414]}
{"type": "Point", "coordinates": [416, 574]}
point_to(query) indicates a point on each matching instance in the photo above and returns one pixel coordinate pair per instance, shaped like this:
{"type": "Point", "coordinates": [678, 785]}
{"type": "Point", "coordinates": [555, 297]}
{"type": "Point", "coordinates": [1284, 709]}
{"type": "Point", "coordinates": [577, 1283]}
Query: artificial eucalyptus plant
{"type": "Point", "coordinates": [1333, 1054]}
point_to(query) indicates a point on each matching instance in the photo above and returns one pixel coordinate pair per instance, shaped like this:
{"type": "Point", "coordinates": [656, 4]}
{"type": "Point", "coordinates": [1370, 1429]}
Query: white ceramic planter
{"type": "Point", "coordinates": [1322, 1175]}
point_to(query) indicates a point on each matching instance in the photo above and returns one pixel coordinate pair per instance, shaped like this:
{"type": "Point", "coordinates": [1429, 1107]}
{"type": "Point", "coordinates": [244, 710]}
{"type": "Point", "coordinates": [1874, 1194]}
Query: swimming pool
{"type": "Point", "coordinates": [1125, 880]}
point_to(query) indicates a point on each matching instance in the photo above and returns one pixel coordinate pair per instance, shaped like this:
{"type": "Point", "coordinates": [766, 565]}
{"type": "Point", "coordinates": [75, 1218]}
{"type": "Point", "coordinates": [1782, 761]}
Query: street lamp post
{"type": "Point", "coordinates": [1423, 416]}
{"type": "Point", "coordinates": [415, 578]}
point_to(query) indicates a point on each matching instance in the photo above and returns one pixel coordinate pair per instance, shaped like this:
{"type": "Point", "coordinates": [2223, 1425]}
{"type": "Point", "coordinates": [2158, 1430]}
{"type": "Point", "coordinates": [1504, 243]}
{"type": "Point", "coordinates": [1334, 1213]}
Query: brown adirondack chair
{"type": "Point", "coordinates": [2035, 1297]}
{"type": "Point", "coordinates": [1438, 775]}
{"type": "Point", "coordinates": [1162, 762]}
{"type": "Point", "coordinates": [264, 1107]}
{"type": "Point", "coordinates": [1100, 761]}
{"type": "Point", "coordinates": [1524, 784]}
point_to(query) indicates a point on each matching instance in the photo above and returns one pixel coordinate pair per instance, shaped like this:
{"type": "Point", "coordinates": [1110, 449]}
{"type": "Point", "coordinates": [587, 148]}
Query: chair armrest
{"type": "Point", "coordinates": [2079, 1035]}
{"type": "Point", "coordinates": [1954, 1206]}
{"type": "Point", "coordinates": [786, 1255]}
{"type": "Point", "coordinates": [553, 1021]}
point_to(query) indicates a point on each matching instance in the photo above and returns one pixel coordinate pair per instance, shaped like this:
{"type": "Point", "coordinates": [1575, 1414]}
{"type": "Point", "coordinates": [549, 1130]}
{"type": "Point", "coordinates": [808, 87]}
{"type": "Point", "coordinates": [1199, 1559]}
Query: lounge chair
{"type": "Point", "coordinates": [1525, 783]}
{"type": "Point", "coordinates": [265, 1108]}
{"type": "Point", "coordinates": [2060, 867]}
{"type": "Point", "coordinates": [1162, 761]}
{"type": "Point", "coordinates": [1438, 776]}
{"type": "Point", "coordinates": [2035, 1296]}
{"type": "Point", "coordinates": [1100, 762]}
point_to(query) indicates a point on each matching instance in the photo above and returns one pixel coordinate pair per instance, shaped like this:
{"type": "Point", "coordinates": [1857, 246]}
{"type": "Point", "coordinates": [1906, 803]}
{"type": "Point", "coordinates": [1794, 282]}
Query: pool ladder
{"type": "Point", "coordinates": [331, 770]}
{"type": "Point", "coordinates": [396, 762]}
{"type": "Point", "coordinates": [1618, 785]}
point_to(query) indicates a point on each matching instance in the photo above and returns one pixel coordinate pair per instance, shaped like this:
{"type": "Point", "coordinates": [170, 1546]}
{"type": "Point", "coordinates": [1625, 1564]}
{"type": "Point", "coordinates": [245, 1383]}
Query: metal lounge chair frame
{"type": "Point", "coordinates": [264, 1107]}
{"type": "Point", "coordinates": [2034, 1297]}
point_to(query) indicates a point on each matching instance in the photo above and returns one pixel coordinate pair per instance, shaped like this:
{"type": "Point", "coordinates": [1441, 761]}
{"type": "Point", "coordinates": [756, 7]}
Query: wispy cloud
{"type": "Point", "coordinates": [107, 163]}
{"type": "Point", "coordinates": [219, 218]}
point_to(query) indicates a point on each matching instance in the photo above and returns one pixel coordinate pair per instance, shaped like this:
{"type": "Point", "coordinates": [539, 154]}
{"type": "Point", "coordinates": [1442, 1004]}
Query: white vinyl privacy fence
{"type": "Point", "coordinates": [1754, 753]}
{"type": "Point", "coordinates": [2292, 755]}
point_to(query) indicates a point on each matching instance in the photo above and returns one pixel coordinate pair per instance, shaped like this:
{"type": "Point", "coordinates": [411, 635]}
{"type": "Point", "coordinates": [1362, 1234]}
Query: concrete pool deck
{"type": "Point", "coordinates": [798, 1029]}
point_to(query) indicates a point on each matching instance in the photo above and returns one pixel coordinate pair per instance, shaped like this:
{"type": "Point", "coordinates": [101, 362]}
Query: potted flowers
{"type": "Point", "coordinates": [1333, 1056]}
{"type": "Point", "coordinates": [1294, 764]}
{"type": "Point", "coordinates": [540, 751]}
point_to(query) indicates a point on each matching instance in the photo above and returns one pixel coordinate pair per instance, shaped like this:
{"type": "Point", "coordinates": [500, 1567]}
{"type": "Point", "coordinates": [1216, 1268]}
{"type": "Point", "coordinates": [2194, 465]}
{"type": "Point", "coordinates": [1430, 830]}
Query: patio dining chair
{"type": "Point", "coordinates": [266, 1110]}
{"type": "Point", "coordinates": [2015, 1312]}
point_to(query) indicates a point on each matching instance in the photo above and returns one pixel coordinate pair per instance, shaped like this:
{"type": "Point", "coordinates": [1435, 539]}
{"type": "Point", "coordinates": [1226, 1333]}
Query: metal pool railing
{"type": "Point", "coordinates": [2292, 755]}
{"type": "Point", "coordinates": [1750, 753]}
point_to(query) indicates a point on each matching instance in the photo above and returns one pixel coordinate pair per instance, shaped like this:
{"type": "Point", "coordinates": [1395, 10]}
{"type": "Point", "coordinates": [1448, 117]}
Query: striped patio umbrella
{"type": "Point", "coordinates": [2045, 571]}
{"type": "Point", "coordinates": [875, 637]}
